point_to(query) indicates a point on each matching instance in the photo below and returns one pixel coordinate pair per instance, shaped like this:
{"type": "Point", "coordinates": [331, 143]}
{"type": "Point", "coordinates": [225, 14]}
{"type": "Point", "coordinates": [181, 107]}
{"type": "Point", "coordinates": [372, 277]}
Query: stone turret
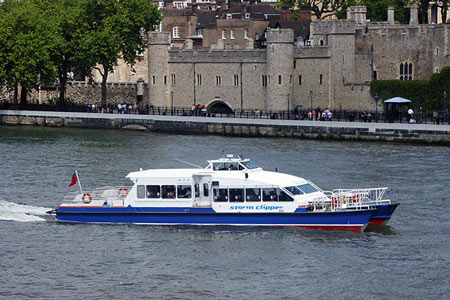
{"type": "Point", "coordinates": [357, 14]}
{"type": "Point", "coordinates": [158, 68]}
{"type": "Point", "coordinates": [280, 66]}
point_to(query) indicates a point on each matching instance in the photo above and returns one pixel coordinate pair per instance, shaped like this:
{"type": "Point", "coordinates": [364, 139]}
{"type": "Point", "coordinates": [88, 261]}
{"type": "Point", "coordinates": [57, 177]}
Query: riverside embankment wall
{"type": "Point", "coordinates": [418, 133]}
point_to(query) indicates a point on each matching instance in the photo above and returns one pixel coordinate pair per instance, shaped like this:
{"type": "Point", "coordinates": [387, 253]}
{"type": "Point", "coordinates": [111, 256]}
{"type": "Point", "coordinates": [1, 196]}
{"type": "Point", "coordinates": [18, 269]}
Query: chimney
{"type": "Point", "coordinates": [413, 16]}
{"type": "Point", "coordinates": [391, 19]}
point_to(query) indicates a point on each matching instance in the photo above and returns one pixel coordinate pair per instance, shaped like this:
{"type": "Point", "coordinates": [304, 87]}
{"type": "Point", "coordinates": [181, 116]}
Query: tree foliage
{"type": "Point", "coordinates": [423, 93]}
{"type": "Point", "coordinates": [24, 52]}
{"type": "Point", "coordinates": [41, 38]}
{"type": "Point", "coordinates": [116, 30]}
{"type": "Point", "coordinates": [377, 10]}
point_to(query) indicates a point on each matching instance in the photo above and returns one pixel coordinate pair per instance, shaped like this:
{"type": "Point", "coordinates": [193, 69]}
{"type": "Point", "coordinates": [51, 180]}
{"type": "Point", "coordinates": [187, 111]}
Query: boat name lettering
{"type": "Point", "coordinates": [258, 207]}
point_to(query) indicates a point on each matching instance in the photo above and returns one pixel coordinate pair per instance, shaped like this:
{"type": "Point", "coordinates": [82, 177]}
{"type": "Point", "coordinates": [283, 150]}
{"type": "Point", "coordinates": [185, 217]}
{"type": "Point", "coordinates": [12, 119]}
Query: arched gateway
{"type": "Point", "coordinates": [219, 107]}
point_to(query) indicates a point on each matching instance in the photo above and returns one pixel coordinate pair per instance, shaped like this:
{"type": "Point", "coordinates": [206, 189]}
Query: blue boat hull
{"type": "Point", "coordinates": [348, 220]}
{"type": "Point", "coordinates": [382, 213]}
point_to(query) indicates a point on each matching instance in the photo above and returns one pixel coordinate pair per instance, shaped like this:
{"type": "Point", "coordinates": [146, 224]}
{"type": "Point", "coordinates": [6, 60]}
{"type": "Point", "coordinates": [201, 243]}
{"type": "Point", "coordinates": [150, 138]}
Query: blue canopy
{"type": "Point", "coordinates": [397, 100]}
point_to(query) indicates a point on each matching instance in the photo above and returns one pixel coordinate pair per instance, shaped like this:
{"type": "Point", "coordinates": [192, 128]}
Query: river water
{"type": "Point", "coordinates": [409, 259]}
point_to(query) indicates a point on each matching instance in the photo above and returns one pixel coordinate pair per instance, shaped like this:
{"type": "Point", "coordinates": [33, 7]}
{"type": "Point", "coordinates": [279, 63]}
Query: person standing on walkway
{"type": "Point", "coordinates": [410, 114]}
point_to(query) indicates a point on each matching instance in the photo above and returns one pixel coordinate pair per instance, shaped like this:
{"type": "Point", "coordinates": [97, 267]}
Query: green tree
{"type": "Point", "coordinates": [116, 31]}
{"type": "Point", "coordinates": [425, 93]}
{"type": "Point", "coordinates": [376, 9]}
{"type": "Point", "coordinates": [24, 53]}
{"type": "Point", "coordinates": [67, 19]}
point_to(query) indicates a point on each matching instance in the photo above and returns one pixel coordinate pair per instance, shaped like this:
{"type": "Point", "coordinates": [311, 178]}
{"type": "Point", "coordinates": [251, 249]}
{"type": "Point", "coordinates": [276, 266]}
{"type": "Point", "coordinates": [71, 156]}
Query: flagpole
{"type": "Point", "coordinates": [79, 183]}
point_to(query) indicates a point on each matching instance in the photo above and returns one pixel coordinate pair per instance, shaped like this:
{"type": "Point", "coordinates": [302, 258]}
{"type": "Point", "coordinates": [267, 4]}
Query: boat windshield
{"type": "Point", "coordinates": [307, 188]}
{"type": "Point", "coordinates": [294, 190]}
{"type": "Point", "coordinates": [227, 166]}
{"type": "Point", "coordinates": [249, 165]}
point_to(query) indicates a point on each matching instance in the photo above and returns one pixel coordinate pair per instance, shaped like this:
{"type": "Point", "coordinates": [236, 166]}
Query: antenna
{"type": "Point", "coordinates": [188, 163]}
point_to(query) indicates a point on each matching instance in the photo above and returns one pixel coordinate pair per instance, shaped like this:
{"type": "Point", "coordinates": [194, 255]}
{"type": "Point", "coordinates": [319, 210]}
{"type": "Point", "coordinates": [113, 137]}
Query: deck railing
{"type": "Point", "coordinates": [104, 196]}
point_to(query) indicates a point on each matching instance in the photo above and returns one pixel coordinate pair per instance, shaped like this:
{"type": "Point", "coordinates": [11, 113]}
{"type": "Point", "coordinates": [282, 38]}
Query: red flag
{"type": "Point", "coordinates": [74, 179]}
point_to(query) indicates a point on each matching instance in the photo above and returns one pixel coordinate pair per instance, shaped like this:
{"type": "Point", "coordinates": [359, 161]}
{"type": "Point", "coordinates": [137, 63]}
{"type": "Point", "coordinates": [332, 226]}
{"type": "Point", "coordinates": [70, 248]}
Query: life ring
{"type": "Point", "coordinates": [123, 191]}
{"type": "Point", "coordinates": [87, 198]}
{"type": "Point", "coordinates": [334, 202]}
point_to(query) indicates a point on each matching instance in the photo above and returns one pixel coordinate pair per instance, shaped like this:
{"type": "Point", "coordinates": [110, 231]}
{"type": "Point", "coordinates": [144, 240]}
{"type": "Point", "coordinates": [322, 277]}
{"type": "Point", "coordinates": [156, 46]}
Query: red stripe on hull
{"type": "Point", "coordinates": [331, 227]}
{"type": "Point", "coordinates": [378, 221]}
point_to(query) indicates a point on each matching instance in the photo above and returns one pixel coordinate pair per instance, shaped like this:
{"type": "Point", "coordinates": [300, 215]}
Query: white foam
{"type": "Point", "coordinates": [11, 211]}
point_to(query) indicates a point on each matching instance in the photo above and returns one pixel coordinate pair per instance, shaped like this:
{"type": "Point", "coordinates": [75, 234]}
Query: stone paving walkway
{"type": "Point", "coordinates": [371, 127]}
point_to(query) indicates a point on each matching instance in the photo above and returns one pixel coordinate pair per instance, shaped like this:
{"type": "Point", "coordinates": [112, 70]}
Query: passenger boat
{"type": "Point", "coordinates": [228, 191]}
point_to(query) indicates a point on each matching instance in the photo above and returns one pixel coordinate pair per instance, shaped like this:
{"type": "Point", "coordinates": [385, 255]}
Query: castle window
{"type": "Point", "coordinates": [224, 34]}
{"type": "Point", "coordinates": [165, 80]}
{"type": "Point", "coordinates": [406, 71]}
{"type": "Point", "coordinates": [299, 79]}
{"type": "Point", "coordinates": [173, 79]}
{"type": "Point", "coordinates": [218, 80]}
{"type": "Point", "coordinates": [295, 64]}
{"type": "Point", "coordinates": [320, 79]}
{"type": "Point", "coordinates": [246, 34]}
{"type": "Point", "coordinates": [232, 34]}
{"type": "Point", "coordinates": [154, 79]}
{"type": "Point", "coordinates": [264, 80]}
{"type": "Point", "coordinates": [374, 75]}
{"type": "Point", "coordinates": [321, 42]}
{"type": "Point", "coordinates": [176, 32]}
{"type": "Point", "coordinates": [199, 79]}
{"type": "Point", "coordinates": [236, 80]}
{"type": "Point", "coordinates": [279, 79]}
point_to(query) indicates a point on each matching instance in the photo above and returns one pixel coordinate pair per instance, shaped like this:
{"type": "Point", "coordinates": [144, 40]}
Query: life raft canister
{"type": "Point", "coordinates": [123, 192]}
{"type": "Point", "coordinates": [87, 198]}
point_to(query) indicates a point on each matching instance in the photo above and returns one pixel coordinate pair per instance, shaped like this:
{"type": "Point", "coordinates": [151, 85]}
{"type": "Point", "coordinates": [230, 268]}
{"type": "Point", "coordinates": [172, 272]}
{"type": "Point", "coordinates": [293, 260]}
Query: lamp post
{"type": "Point", "coordinates": [310, 98]}
{"type": "Point", "coordinates": [376, 107]}
{"type": "Point", "coordinates": [171, 101]}
{"type": "Point", "coordinates": [289, 117]}
{"type": "Point", "coordinates": [445, 106]}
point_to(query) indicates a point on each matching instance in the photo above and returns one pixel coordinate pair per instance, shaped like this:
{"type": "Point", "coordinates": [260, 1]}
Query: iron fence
{"type": "Point", "coordinates": [421, 117]}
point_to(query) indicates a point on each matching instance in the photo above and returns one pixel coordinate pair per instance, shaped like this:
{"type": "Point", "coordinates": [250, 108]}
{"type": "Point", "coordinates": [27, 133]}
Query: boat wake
{"type": "Point", "coordinates": [10, 211]}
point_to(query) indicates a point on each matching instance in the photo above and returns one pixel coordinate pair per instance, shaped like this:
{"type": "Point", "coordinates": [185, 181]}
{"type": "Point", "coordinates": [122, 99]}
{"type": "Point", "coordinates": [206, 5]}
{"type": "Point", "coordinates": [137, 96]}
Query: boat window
{"type": "Point", "coordinates": [282, 196]}
{"type": "Point", "coordinates": [184, 191]}
{"type": "Point", "coordinates": [307, 188]}
{"type": "Point", "coordinates": [269, 194]}
{"type": "Point", "coordinates": [253, 195]}
{"type": "Point", "coordinates": [220, 195]}
{"type": "Point", "coordinates": [205, 190]}
{"type": "Point", "coordinates": [153, 191]}
{"type": "Point", "coordinates": [197, 190]}
{"type": "Point", "coordinates": [294, 190]}
{"type": "Point", "coordinates": [141, 191]}
{"type": "Point", "coordinates": [168, 191]}
{"type": "Point", "coordinates": [249, 165]}
{"type": "Point", "coordinates": [226, 166]}
{"type": "Point", "coordinates": [236, 195]}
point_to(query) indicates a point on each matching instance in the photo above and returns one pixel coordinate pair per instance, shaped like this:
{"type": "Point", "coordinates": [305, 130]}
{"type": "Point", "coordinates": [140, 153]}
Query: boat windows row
{"type": "Point", "coordinates": [250, 195]}
{"type": "Point", "coordinates": [220, 194]}
{"type": "Point", "coordinates": [164, 191]}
